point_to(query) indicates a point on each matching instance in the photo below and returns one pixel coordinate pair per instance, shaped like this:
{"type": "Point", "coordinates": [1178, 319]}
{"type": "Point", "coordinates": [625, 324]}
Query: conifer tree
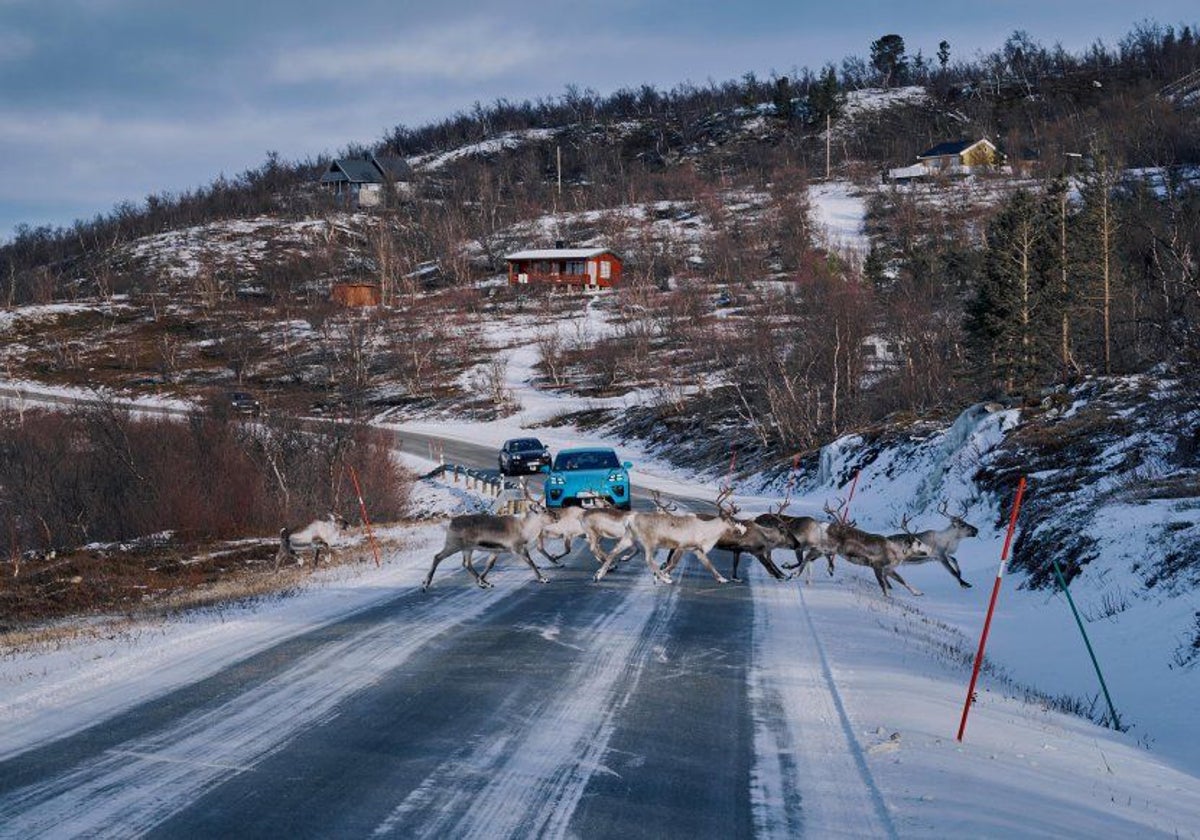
{"type": "Point", "coordinates": [1009, 320]}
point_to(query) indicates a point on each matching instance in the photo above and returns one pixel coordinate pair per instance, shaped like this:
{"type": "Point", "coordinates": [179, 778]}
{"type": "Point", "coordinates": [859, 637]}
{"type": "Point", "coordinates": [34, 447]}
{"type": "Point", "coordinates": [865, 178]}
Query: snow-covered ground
{"type": "Point", "coordinates": [839, 663]}
{"type": "Point", "coordinates": [886, 677]}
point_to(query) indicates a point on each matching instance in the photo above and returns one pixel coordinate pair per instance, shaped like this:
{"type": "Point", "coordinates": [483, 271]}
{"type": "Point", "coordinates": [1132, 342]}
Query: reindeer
{"type": "Point", "coordinates": [566, 524]}
{"type": "Point", "coordinates": [496, 534]}
{"type": "Point", "coordinates": [945, 542]}
{"type": "Point", "coordinates": [318, 533]}
{"type": "Point", "coordinates": [881, 554]}
{"type": "Point", "coordinates": [606, 523]}
{"type": "Point", "coordinates": [689, 531]}
{"type": "Point", "coordinates": [807, 537]}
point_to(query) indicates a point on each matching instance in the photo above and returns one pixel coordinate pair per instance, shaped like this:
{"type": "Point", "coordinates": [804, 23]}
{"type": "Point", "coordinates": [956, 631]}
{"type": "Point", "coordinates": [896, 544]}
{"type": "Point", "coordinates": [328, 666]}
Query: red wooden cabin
{"type": "Point", "coordinates": [586, 268]}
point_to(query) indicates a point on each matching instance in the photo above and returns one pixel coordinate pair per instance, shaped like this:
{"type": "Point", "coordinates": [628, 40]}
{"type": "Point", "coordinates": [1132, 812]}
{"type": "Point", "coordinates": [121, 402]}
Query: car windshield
{"type": "Point", "coordinates": [527, 445]}
{"type": "Point", "coordinates": [600, 459]}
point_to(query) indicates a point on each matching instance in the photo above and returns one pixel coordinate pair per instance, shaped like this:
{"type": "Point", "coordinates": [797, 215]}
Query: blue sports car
{"type": "Point", "coordinates": [588, 477]}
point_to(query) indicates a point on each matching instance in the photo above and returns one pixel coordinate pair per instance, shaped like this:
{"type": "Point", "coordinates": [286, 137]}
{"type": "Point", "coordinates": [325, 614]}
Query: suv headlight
{"type": "Point", "coordinates": [614, 477]}
{"type": "Point", "coordinates": [556, 479]}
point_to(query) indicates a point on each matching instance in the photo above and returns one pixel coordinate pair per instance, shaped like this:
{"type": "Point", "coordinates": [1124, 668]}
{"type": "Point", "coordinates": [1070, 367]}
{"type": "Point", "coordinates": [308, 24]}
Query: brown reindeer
{"type": "Point", "coordinates": [881, 554]}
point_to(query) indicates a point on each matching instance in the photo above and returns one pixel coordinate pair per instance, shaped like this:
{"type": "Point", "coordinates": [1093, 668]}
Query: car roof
{"type": "Point", "coordinates": [523, 440]}
{"type": "Point", "coordinates": [587, 449]}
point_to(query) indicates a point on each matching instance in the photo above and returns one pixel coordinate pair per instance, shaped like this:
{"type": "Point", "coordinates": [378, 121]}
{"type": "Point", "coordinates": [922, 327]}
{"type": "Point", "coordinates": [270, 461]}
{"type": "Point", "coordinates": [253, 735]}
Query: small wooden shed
{"type": "Point", "coordinates": [595, 268]}
{"type": "Point", "coordinates": [357, 294]}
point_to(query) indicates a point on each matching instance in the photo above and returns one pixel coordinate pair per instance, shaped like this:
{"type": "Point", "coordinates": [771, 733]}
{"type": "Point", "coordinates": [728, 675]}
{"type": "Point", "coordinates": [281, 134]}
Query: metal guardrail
{"type": "Point", "coordinates": [508, 494]}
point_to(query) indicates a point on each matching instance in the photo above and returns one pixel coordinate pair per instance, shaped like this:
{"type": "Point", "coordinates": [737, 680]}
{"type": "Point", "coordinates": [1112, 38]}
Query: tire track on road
{"type": "Point", "coordinates": [811, 774]}
{"type": "Point", "coordinates": [531, 779]}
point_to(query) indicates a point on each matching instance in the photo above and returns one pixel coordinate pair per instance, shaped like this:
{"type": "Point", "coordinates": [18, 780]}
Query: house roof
{"type": "Point", "coordinates": [558, 254]}
{"type": "Point", "coordinates": [954, 147]}
{"type": "Point", "coordinates": [367, 169]}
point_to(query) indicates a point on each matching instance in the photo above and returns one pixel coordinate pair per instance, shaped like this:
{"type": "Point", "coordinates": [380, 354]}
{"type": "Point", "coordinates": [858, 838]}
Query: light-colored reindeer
{"type": "Point", "coordinates": [688, 532]}
{"type": "Point", "coordinates": [944, 542]}
{"type": "Point", "coordinates": [606, 523]}
{"type": "Point", "coordinates": [315, 535]}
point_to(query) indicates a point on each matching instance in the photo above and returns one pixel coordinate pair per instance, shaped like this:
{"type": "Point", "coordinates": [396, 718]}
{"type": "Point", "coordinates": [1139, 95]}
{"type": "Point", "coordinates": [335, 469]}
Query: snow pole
{"type": "Point", "coordinates": [791, 482]}
{"type": "Point", "coordinates": [987, 623]}
{"type": "Point", "coordinates": [732, 464]}
{"type": "Point", "coordinates": [850, 498]}
{"type": "Point", "coordinates": [362, 507]}
{"type": "Point", "coordinates": [1062, 584]}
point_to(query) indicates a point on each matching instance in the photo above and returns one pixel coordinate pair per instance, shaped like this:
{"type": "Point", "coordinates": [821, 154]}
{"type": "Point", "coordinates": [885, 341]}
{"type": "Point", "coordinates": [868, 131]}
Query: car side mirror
{"type": "Point", "coordinates": [627, 465]}
{"type": "Point", "coordinates": [545, 468]}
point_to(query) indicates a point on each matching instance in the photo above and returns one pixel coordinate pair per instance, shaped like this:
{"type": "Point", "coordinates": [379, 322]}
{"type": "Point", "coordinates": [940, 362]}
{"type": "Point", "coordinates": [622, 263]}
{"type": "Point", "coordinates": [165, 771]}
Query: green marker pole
{"type": "Point", "coordinates": [1062, 583]}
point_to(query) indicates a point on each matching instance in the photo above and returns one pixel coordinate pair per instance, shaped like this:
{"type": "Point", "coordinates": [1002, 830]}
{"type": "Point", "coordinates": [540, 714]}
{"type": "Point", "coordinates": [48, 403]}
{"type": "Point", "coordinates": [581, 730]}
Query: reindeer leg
{"type": "Point", "coordinates": [768, 563]}
{"type": "Point", "coordinates": [882, 578]}
{"type": "Point", "coordinates": [486, 569]}
{"type": "Point", "coordinates": [524, 553]}
{"type": "Point", "coordinates": [799, 564]}
{"type": "Point", "coordinates": [594, 546]}
{"type": "Point", "coordinates": [951, 564]}
{"type": "Point", "coordinates": [625, 543]}
{"type": "Point", "coordinates": [673, 558]}
{"type": "Point", "coordinates": [708, 565]}
{"type": "Point", "coordinates": [553, 558]}
{"type": "Point", "coordinates": [737, 558]}
{"type": "Point", "coordinates": [604, 567]}
{"type": "Point", "coordinates": [663, 574]}
{"type": "Point", "coordinates": [437, 558]}
{"type": "Point", "coordinates": [470, 567]}
{"type": "Point", "coordinates": [896, 575]}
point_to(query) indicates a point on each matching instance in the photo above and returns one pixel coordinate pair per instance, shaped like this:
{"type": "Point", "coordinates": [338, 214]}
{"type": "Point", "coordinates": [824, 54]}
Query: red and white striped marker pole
{"type": "Point", "coordinates": [987, 624]}
{"type": "Point", "coordinates": [362, 507]}
{"type": "Point", "coordinates": [791, 482]}
{"type": "Point", "coordinates": [850, 498]}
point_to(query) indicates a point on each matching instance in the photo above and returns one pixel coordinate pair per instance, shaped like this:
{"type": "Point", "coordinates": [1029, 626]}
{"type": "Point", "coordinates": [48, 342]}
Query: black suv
{"type": "Point", "coordinates": [242, 403]}
{"type": "Point", "coordinates": [523, 455]}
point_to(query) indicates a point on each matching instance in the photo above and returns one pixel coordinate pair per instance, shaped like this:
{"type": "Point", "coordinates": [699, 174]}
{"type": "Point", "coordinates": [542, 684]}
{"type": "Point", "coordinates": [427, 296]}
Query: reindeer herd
{"type": "Point", "coordinates": [678, 533]}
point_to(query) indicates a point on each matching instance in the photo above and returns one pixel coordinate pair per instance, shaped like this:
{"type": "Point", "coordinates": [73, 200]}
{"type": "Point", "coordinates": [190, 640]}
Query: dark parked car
{"type": "Point", "coordinates": [521, 456]}
{"type": "Point", "coordinates": [242, 403]}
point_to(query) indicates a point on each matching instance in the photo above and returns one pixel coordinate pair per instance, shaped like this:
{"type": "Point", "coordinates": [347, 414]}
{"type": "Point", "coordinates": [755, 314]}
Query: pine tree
{"type": "Point", "coordinates": [825, 98]}
{"type": "Point", "coordinates": [1010, 318]}
{"type": "Point", "coordinates": [888, 59]}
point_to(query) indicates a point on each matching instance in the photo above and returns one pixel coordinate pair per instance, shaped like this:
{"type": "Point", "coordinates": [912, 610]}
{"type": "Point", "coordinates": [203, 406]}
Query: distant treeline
{"type": "Point", "coordinates": [1028, 96]}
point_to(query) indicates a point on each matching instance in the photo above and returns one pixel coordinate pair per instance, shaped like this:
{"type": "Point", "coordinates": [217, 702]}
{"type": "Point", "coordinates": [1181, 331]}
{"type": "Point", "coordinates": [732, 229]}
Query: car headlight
{"type": "Point", "coordinates": [556, 479]}
{"type": "Point", "coordinates": [616, 476]}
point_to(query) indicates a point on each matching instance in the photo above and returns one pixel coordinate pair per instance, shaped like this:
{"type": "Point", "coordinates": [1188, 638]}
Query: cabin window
{"type": "Point", "coordinates": [605, 270]}
{"type": "Point", "coordinates": [574, 267]}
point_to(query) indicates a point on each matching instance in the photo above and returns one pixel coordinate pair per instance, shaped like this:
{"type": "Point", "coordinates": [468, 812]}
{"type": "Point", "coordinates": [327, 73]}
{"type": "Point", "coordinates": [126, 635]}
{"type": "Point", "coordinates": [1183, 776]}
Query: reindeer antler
{"type": "Point", "coordinates": [665, 507]}
{"type": "Point", "coordinates": [840, 515]}
{"type": "Point", "coordinates": [944, 509]}
{"type": "Point", "coordinates": [723, 507]}
{"type": "Point", "coordinates": [782, 507]}
{"type": "Point", "coordinates": [904, 525]}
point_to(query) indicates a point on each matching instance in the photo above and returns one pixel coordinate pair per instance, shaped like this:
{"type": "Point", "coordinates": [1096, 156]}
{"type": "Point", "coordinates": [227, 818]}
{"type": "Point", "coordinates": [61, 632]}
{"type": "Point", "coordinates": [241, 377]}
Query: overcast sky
{"type": "Point", "coordinates": [103, 101]}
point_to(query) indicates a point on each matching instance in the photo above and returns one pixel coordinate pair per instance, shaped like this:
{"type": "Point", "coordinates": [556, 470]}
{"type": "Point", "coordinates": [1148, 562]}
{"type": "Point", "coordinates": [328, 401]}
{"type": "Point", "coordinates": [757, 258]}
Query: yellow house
{"type": "Point", "coordinates": [960, 154]}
